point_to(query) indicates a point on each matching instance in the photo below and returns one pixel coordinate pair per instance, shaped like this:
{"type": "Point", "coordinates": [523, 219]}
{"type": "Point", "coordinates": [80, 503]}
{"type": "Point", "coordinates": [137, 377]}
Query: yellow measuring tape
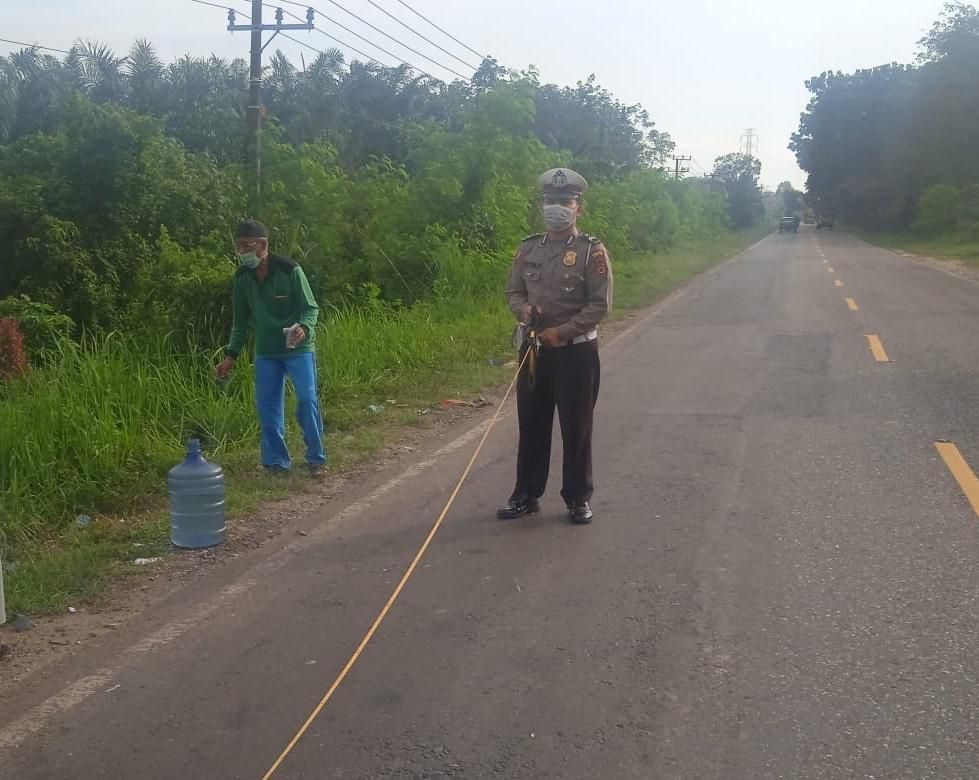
{"type": "Point", "coordinates": [397, 591]}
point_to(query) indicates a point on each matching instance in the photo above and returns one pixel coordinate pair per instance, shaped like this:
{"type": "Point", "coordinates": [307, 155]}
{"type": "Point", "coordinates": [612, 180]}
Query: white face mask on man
{"type": "Point", "coordinates": [249, 260]}
{"type": "Point", "coordinates": [558, 216]}
{"type": "Point", "coordinates": [250, 251]}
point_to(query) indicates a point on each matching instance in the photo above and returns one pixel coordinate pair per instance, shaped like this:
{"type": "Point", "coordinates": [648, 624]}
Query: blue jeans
{"type": "Point", "coordinates": [270, 387]}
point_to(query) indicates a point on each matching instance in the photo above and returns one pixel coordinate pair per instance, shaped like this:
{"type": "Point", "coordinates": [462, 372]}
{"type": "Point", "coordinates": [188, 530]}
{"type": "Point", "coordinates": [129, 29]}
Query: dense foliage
{"type": "Point", "coordinates": [121, 178]}
{"type": "Point", "coordinates": [895, 146]}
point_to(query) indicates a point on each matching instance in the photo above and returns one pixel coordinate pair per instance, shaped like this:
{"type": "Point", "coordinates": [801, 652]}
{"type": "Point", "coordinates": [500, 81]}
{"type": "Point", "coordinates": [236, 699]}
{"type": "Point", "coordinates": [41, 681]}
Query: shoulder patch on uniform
{"type": "Point", "coordinates": [599, 260]}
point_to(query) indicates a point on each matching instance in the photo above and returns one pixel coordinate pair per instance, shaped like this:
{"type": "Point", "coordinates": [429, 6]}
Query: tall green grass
{"type": "Point", "coordinates": [100, 424]}
{"type": "Point", "coordinates": [97, 429]}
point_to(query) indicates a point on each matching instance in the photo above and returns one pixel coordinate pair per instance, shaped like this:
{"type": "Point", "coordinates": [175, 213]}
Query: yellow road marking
{"type": "Point", "coordinates": [852, 304]}
{"type": "Point", "coordinates": [878, 349]}
{"type": "Point", "coordinates": [838, 283]}
{"type": "Point", "coordinates": [960, 470]}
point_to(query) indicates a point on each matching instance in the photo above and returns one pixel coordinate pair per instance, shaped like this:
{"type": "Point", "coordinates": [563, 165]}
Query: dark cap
{"type": "Point", "coordinates": [251, 228]}
{"type": "Point", "coordinates": [563, 181]}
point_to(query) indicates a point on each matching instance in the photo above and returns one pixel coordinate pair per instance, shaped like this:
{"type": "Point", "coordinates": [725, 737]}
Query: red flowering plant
{"type": "Point", "coordinates": [13, 356]}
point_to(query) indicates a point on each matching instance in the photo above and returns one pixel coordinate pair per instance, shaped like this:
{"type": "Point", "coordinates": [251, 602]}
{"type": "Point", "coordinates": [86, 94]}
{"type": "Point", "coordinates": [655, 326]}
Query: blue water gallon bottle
{"type": "Point", "coordinates": [196, 490]}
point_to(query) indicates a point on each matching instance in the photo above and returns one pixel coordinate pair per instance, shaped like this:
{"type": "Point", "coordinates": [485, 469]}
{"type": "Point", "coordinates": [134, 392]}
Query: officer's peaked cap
{"type": "Point", "coordinates": [562, 180]}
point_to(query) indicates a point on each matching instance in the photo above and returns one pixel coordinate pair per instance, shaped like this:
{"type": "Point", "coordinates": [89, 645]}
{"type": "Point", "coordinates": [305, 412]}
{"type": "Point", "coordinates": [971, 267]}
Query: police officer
{"type": "Point", "coordinates": [561, 286]}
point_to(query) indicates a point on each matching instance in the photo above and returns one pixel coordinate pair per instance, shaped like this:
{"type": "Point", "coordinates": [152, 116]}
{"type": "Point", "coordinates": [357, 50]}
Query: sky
{"type": "Point", "coordinates": [706, 70]}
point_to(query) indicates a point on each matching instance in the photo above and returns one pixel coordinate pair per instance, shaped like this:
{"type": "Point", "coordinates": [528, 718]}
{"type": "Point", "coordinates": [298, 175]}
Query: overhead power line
{"type": "Point", "coordinates": [429, 40]}
{"type": "Point", "coordinates": [336, 40]}
{"type": "Point", "coordinates": [320, 51]}
{"type": "Point", "coordinates": [366, 40]}
{"type": "Point", "coordinates": [376, 121]}
{"type": "Point", "coordinates": [444, 32]}
{"type": "Point", "coordinates": [215, 5]}
{"type": "Point", "coordinates": [34, 46]}
{"type": "Point", "coordinates": [378, 30]}
{"type": "Point", "coordinates": [702, 168]}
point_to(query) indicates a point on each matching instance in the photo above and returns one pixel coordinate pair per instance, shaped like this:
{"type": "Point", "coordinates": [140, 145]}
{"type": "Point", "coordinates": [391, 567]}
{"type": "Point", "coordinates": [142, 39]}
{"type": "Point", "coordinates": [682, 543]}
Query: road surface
{"type": "Point", "coordinates": [781, 581]}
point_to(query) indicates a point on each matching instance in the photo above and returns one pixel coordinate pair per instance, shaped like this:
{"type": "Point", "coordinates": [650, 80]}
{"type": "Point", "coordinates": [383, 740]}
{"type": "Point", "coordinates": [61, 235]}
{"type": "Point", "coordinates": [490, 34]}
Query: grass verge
{"type": "Point", "coordinates": [96, 431]}
{"type": "Point", "coordinates": [961, 248]}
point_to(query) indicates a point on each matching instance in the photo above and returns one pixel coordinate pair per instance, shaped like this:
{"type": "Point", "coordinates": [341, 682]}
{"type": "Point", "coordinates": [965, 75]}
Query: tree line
{"type": "Point", "coordinates": [895, 147]}
{"type": "Point", "coordinates": [121, 179]}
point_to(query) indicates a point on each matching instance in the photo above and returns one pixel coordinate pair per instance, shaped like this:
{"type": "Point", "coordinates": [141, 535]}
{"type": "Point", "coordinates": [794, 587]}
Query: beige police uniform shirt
{"type": "Point", "coordinates": [569, 281]}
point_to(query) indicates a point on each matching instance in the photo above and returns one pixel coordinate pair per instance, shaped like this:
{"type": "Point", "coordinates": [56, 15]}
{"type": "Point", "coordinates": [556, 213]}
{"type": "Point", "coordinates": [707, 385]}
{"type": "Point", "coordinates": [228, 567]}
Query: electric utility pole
{"type": "Point", "coordinates": [677, 159]}
{"type": "Point", "coordinates": [748, 141]}
{"type": "Point", "coordinates": [254, 116]}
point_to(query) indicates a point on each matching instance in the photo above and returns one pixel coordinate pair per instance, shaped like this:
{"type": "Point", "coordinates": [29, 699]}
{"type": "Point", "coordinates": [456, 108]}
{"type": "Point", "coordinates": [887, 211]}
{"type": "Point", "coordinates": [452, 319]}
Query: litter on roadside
{"type": "Point", "coordinates": [480, 402]}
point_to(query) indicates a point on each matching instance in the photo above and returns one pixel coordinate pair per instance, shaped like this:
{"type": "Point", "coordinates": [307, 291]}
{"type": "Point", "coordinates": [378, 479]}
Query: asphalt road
{"type": "Point", "coordinates": [781, 581]}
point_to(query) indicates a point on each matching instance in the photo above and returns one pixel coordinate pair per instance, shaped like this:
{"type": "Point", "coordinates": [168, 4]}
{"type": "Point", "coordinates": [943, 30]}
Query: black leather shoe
{"type": "Point", "coordinates": [580, 512]}
{"type": "Point", "coordinates": [518, 506]}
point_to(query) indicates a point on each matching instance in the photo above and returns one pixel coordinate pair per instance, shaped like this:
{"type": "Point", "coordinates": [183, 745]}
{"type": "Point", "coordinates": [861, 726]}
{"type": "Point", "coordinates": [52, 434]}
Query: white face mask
{"type": "Point", "coordinates": [558, 217]}
{"type": "Point", "coordinates": [249, 260]}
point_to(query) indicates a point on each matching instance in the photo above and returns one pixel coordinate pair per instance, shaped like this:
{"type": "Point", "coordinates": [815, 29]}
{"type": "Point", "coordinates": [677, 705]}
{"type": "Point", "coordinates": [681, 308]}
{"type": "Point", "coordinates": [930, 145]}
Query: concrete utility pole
{"type": "Point", "coordinates": [677, 159]}
{"type": "Point", "coordinates": [748, 142]}
{"type": "Point", "coordinates": [254, 117]}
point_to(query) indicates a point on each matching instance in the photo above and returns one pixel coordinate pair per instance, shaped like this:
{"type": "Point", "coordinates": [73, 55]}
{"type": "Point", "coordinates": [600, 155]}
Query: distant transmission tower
{"type": "Point", "coordinates": [748, 142]}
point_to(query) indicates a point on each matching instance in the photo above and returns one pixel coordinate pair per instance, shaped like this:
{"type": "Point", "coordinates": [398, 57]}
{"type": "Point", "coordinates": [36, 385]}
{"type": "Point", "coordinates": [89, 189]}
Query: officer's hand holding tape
{"type": "Point", "coordinates": [550, 337]}
{"type": "Point", "coordinates": [530, 314]}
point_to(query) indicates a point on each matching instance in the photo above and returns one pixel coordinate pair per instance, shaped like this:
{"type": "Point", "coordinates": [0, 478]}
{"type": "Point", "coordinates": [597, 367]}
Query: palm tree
{"type": "Point", "coordinates": [98, 71]}
{"type": "Point", "coordinates": [9, 95]}
{"type": "Point", "coordinates": [205, 104]}
{"type": "Point", "coordinates": [144, 71]}
{"type": "Point", "coordinates": [33, 87]}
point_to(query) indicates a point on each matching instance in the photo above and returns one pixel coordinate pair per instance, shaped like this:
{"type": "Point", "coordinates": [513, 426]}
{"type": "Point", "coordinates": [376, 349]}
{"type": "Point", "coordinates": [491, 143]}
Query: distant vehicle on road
{"type": "Point", "coordinates": [824, 221]}
{"type": "Point", "coordinates": [788, 223]}
{"type": "Point", "coordinates": [809, 219]}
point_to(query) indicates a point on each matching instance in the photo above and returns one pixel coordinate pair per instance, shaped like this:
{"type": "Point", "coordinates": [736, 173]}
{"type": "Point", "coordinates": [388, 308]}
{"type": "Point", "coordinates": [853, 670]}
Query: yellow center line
{"type": "Point", "coordinates": [838, 283]}
{"type": "Point", "coordinates": [878, 349]}
{"type": "Point", "coordinates": [960, 470]}
{"type": "Point", "coordinates": [852, 304]}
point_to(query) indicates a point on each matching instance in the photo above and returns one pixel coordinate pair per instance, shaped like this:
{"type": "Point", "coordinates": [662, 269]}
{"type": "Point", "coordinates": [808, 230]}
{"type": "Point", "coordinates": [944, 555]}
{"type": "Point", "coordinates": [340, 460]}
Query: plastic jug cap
{"type": "Point", "coordinates": [193, 451]}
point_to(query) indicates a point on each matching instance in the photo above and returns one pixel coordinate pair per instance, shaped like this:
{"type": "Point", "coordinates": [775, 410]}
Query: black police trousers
{"type": "Point", "coordinates": [566, 378]}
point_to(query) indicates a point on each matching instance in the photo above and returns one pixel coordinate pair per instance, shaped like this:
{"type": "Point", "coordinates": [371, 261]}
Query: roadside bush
{"type": "Point", "coordinates": [939, 209]}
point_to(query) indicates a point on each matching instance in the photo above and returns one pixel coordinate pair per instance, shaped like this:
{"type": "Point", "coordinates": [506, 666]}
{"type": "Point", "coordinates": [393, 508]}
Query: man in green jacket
{"type": "Point", "coordinates": [272, 296]}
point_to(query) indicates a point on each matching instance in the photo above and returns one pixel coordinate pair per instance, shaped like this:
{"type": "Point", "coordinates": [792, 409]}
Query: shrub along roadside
{"type": "Point", "coordinates": [95, 431]}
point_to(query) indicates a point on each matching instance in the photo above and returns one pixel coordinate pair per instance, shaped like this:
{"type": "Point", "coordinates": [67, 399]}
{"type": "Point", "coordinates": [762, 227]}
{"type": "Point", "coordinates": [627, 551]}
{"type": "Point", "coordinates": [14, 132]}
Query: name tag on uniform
{"type": "Point", "coordinates": [570, 258]}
